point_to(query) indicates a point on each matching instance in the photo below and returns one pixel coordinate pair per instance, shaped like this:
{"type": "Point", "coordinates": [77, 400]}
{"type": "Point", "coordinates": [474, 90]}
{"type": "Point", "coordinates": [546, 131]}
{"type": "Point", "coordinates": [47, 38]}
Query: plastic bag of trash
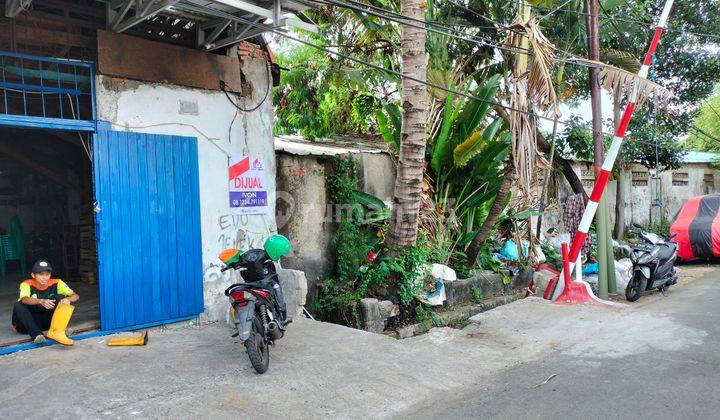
{"type": "Point", "coordinates": [441, 271]}
{"type": "Point", "coordinates": [436, 297]}
{"type": "Point", "coordinates": [539, 254]}
{"type": "Point", "coordinates": [593, 280]}
{"type": "Point", "coordinates": [623, 273]}
{"type": "Point", "coordinates": [556, 241]}
{"type": "Point", "coordinates": [510, 250]}
{"type": "Point", "coordinates": [591, 268]}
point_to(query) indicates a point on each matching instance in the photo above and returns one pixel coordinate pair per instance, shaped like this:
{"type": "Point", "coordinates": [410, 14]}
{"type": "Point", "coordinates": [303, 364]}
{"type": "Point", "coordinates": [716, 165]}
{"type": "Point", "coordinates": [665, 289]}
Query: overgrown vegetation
{"type": "Point", "coordinates": [468, 155]}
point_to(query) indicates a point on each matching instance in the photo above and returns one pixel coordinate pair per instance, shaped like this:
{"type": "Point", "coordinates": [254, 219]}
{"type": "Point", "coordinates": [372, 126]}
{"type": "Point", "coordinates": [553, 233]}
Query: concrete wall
{"type": "Point", "coordinates": [641, 204]}
{"type": "Point", "coordinates": [220, 130]}
{"type": "Point", "coordinates": [303, 207]}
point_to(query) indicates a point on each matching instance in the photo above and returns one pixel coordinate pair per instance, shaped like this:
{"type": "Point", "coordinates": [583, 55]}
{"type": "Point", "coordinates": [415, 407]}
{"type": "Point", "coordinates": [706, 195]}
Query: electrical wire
{"type": "Point", "coordinates": [256, 107]}
{"type": "Point", "coordinates": [205, 136]}
{"type": "Point", "coordinates": [268, 28]}
{"type": "Point", "coordinates": [430, 27]}
{"type": "Point", "coordinates": [82, 141]}
{"type": "Point", "coordinates": [637, 22]}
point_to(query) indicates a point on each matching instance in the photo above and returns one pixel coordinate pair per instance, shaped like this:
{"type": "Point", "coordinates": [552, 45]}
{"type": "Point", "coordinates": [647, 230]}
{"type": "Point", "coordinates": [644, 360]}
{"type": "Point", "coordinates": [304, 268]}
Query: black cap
{"type": "Point", "coordinates": [40, 266]}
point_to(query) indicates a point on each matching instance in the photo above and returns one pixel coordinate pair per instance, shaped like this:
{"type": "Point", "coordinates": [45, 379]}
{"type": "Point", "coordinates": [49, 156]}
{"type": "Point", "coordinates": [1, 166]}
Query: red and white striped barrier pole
{"type": "Point", "coordinates": [612, 153]}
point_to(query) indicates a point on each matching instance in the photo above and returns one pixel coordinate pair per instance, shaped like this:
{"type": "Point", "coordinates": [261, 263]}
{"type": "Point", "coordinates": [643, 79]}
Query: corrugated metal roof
{"type": "Point", "coordinates": [296, 145]}
{"type": "Point", "coordinates": [700, 157]}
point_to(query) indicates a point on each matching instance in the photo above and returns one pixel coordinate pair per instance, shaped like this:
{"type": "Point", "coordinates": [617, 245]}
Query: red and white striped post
{"type": "Point", "coordinates": [612, 153]}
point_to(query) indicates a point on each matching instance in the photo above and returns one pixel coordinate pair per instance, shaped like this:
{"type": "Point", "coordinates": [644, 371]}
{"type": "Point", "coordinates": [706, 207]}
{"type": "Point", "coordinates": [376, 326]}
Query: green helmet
{"type": "Point", "coordinates": [276, 246]}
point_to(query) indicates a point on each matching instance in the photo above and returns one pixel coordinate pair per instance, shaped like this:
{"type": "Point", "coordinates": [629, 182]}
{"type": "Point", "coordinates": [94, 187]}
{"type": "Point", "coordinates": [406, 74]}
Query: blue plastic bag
{"type": "Point", "coordinates": [590, 269]}
{"type": "Point", "coordinates": [510, 250]}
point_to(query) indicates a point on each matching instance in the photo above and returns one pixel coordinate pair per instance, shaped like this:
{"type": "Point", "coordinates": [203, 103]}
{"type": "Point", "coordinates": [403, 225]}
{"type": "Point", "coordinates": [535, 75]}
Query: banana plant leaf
{"type": "Point", "coordinates": [369, 200]}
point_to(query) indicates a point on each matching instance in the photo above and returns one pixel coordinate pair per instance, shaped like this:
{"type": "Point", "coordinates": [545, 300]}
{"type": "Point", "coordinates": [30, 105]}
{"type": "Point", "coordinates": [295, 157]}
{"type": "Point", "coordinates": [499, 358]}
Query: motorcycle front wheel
{"type": "Point", "coordinates": [635, 287]}
{"type": "Point", "coordinates": [257, 347]}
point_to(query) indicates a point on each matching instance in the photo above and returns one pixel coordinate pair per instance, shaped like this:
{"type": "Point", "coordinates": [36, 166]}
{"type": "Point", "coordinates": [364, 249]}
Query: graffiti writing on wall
{"type": "Point", "coordinates": [235, 232]}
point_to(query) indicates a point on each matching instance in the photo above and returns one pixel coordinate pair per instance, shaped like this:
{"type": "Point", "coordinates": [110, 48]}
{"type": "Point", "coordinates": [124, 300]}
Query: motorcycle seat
{"type": "Point", "coordinates": [666, 251]}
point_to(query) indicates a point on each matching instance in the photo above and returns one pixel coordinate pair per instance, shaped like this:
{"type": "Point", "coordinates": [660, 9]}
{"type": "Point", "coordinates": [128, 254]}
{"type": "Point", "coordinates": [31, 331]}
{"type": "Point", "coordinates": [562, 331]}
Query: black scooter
{"type": "Point", "coordinates": [257, 306]}
{"type": "Point", "coordinates": [653, 264]}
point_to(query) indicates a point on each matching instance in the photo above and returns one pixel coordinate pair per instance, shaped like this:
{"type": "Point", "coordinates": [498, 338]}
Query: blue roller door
{"type": "Point", "coordinates": [148, 228]}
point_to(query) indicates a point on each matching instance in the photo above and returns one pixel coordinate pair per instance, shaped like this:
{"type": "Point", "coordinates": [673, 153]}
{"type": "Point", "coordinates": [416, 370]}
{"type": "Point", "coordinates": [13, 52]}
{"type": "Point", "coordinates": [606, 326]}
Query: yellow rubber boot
{"type": "Point", "coordinates": [59, 323]}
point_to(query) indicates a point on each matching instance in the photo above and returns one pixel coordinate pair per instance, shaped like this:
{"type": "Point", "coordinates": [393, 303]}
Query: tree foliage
{"type": "Point", "coordinates": [707, 120]}
{"type": "Point", "coordinates": [645, 144]}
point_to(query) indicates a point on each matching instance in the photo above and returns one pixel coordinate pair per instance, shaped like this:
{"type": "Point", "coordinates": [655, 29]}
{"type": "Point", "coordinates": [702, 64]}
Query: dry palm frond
{"type": "Point", "coordinates": [540, 83]}
{"type": "Point", "coordinates": [532, 89]}
{"type": "Point", "coordinates": [540, 88]}
{"type": "Point", "coordinates": [619, 80]}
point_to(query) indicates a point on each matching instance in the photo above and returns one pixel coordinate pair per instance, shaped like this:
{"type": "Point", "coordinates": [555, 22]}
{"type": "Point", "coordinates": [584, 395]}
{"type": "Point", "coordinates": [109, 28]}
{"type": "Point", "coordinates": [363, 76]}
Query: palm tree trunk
{"type": "Point", "coordinates": [407, 197]}
{"type": "Point", "coordinates": [498, 205]}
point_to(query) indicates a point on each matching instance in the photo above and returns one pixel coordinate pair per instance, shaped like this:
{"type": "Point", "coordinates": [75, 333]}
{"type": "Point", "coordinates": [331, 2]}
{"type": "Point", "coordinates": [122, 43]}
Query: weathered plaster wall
{"type": "Point", "coordinates": [220, 130]}
{"type": "Point", "coordinates": [639, 200]}
{"type": "Point", "coordinates": [303, 207]}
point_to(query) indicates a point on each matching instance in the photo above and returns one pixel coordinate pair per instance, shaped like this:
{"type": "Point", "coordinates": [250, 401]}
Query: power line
{"type": "Point", "coordinates": [282, 33]}
{"type": "Point", "coordinates": [405, 20]}
{"type": "Point", "coordinates": [427, 26]}
{"type": "Point", "coordinates": [634, 21]}
{"type": "Point", "coordinates": [268, 28]}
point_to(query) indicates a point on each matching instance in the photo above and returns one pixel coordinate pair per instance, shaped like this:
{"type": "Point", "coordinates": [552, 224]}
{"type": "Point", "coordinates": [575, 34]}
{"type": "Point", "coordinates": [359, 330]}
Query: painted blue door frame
{"type": "Point", "coordinates": [148, 228]}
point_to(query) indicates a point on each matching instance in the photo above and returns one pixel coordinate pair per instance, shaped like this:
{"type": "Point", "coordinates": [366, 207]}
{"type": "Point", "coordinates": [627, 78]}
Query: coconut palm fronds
{"type": "Point", "coordinates": [540, 84]}
{"type": "Point", "coordinates": [619, 58]}
{"type": "Point", "coordinates": [619, 80]}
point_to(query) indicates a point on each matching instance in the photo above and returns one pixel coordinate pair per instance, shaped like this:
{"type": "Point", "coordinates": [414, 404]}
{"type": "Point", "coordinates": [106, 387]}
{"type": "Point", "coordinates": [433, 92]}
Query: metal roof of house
{"type": "Point", "coordinates": [214, 24]}
{"type": "Point", "coordinates": [700, 157]}
{"type": "Point", "coordinates": [296, 145]}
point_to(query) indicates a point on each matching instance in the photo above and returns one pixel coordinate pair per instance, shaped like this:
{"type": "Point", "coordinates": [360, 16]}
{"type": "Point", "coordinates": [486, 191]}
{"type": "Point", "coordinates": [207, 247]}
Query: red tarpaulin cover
{"type": "Point", "coordinates": [697, 228]}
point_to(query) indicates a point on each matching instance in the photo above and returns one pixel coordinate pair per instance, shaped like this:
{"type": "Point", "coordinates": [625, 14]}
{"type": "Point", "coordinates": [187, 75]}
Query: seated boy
{"type": "Point", "coordinates": [44, 304]}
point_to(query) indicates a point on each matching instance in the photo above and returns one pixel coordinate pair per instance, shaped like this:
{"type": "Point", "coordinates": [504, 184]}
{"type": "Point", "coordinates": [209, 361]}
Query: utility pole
{"type": "Point", "coordinates": [604, 239]}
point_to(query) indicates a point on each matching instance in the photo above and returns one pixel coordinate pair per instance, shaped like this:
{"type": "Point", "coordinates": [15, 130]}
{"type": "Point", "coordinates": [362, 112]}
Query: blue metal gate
{"type": "Point", "coordinates": [148, 228]}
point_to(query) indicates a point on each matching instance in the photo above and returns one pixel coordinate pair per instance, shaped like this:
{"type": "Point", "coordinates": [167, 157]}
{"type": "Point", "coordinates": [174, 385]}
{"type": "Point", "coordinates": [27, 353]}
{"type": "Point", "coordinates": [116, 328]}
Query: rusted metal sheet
{"type": "Point", "coordinates": [139, 59]}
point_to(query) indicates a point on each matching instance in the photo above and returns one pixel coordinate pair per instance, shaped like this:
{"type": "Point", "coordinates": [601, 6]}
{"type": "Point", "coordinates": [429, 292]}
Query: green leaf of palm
{"type": "Point", "coordinates": [442, 145]}
{"type": "Point", "coordinates": [621, 59]}
{"type": "Point", "coordinates": [368, 200]}
{"type": "Point", "coordinates": [474, 112]}
{"type": "Point", "coordinates": [383, 125]}
{"type": "Point", "coordinates": [393, 111]}
{"type": "Point", "coordinates": [468, 149]}
{"type": "Point", "coordinates": [492, 129]}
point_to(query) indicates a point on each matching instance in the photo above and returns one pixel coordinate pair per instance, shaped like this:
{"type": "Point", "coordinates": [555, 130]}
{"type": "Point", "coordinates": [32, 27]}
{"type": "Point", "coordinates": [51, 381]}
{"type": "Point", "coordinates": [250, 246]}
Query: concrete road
{"type": "Point", "coordinates": [653, 383]}
{"type": "Point", "coordinates": [657, 358]}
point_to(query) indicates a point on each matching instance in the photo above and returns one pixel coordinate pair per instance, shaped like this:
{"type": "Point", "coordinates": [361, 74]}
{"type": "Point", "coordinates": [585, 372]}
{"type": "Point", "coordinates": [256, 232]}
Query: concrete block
{"type": "Point", "coordinates": [491, 284]}
{"type": "Point", "coordinates": [388, 309]}
{"type": "Point", "coordinates": [294, 286]}
{"type": "Point", "coordinates": [370, 316]}
{"type": "Point", "coordinates": [406, 332]}
{"type": "Point", "coordinates": [542, 278]}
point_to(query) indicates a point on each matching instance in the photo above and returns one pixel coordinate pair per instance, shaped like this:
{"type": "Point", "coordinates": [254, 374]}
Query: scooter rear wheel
{"type": "Point", "coordinates": [257, 348]}
{"type": "Point", "coordinates": [635, 288]}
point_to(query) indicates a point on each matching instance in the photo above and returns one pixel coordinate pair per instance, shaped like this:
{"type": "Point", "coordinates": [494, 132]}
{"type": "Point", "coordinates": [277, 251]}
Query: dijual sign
{"type": "Point", "coordinates": [248, 185]}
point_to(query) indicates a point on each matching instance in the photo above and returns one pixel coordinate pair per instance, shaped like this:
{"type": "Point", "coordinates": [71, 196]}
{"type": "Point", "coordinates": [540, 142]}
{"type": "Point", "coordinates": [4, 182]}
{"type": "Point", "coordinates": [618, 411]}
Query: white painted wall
{"type": "Point", "coordinates": [155, 108]}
